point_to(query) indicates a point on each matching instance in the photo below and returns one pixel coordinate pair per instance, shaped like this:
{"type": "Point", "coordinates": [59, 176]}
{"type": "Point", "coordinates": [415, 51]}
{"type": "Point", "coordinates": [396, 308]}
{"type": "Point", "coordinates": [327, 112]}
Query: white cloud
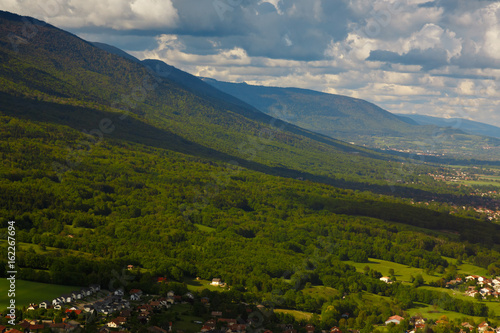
{"type": "Point", "coordinates": [116, 14]}
{"type": "Point", "coordinates": [433, 36]}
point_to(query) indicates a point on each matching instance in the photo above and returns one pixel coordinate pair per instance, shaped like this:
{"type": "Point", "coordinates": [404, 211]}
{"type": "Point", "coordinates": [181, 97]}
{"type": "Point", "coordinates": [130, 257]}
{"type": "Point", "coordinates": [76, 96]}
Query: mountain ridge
{"type": "Point", "coordinates": [466, 125]}
{"type": "Point", "coordinates": [361, 122]}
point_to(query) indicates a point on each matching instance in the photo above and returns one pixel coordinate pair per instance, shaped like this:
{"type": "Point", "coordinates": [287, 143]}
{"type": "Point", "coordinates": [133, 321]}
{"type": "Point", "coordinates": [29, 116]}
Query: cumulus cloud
{"type": "Point", "coordinates": [114, 14]}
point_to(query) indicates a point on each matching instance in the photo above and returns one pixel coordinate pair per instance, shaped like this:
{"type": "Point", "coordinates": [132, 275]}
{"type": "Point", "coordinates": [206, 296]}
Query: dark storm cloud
{"type": "Point", "coordinates": [298, 30]}
{"type": "Point", "coordinates": [429, 59]}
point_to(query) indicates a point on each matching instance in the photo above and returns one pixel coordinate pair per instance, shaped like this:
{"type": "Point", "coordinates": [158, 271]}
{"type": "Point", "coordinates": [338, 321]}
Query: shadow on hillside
{"type": "Point", "coordinates": [131, 129]}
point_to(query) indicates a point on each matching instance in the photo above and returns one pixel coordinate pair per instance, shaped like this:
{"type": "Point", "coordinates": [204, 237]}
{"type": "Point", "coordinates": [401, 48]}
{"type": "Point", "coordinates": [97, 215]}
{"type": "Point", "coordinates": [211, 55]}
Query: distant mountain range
{"type": "Point", "coordinates": [364, 123]}
{"type": "Point", "coordinates": [468, 126]}
{"type": "Point", "coordinates": [333, 115]}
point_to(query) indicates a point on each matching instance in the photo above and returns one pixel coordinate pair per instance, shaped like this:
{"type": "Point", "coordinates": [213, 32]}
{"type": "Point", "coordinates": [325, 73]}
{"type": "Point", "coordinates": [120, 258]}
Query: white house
{"type": "Point", "coordinates": [216, 282]}
{"type": "Point", "coordinates": [44, 304]}
{"type": "Point", "coordinates": [386, 279]}
{"type": "Point", "coordinates": [118, 292]}
{"type": "Point", "coordinates": [95, 288]}
{"type": "Point", "coordinates": [394, 319]}
{"type": "Point", "coordinates": [135, 294]}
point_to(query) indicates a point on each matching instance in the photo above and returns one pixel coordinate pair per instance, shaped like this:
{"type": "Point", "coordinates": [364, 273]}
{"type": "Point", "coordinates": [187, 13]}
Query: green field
{"type": "Point", "coordinates": [320, 291]}
{"type": "Point", "coordinates": [299, 315]}
{"type": "Point", "coordinates": [31, 292]}
{"type": "Point", "coordinates": [401, 272]}
{"type": "Point", "coordinates": [197, 285]}
{"type": "Point", "coordinates": [431, 312]}
{"type": "Point", "coordinates": [48, 249]}
{"type": "Point", "coordinates": [492, 305]}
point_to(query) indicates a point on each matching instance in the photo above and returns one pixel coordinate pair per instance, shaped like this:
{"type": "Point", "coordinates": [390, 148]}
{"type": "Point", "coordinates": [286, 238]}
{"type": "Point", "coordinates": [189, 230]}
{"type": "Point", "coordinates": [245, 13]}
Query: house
{"type": "Point", "coordinates": [472, 277]}
{"type": "Point", "coordinates": [467, 325]}
{"type": "Point", "coordinates": [155, 304]}
{"type": "Point", "coordinates": [68, 298]}
{"type": "Point", "coordinates": [57, 327]}
{"type": "Point", "coordinates": [32, 306]}
{"type": "Point", "coordinates": [227, 321]}
{"type": "Point", "coordinates": [486, 291]}
{"type": "Point", "coordinates": [205, 300]}
{"type": "Point", "coordinates": [386, 279]}
{"type": "Point", "coordinates": [25, 324]}
{"type": "Point", "coordinates": [88, 308]}
{"type": "Point", "coordinates": [77, 295]}
{"type": "Point", "coordinates": [216, 282]}
{"type": "Point", "coordinates": [95, 288]}
{"type": "Point", "coordinates": [86, 292]}
{"type": "Point", "coordinates": [242, 328]}
{"type": "Point", "coordinates": [310, 328]}
{"type": "Point", "coordinates": [483, 326]}
{"type": "Point", "coordinates": [170, 293]}
{"type": "Point", "coordinates": [335, 329]}
{"type": "Point", "coordinates": [216, 314]}
{"type": "Point", "coordinates": [73, 310]}
{"type": "Point", "coordinates": [135, 294]}
{"type": "Point", "coordinates": [113, 324]}
{"type": "Point", "coordinates": [211, 322]}
{"type": "Point", "coordinates": [44, 304]}
{"type": "Point", "coordinates": [119, 292]}
{"type": "Point", "coordinates": [394, 319]}
{"type": "Point", "coordinates": [130, 267]}
{"type": "Point", "coordinates": [36, 327]}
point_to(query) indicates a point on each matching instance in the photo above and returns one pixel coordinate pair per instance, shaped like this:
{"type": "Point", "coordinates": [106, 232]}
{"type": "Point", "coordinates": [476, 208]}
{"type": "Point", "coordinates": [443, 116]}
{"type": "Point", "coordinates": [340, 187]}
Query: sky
{"type": "Point", "coordinates": [438, 58]}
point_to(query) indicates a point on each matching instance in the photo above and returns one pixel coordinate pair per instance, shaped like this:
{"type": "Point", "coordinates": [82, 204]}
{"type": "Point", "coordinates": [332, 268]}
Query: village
{"type": "Point", "coordinates": [124, 311]}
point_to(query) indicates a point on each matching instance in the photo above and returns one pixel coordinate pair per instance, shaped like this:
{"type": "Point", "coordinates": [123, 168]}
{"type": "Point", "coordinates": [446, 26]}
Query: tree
{"type": "Point", "coordinates": [419, 280]}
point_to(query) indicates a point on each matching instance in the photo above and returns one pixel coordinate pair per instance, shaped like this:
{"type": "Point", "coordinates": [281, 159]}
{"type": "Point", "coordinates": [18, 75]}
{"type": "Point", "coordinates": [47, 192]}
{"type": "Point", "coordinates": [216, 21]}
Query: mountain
{"type": "Point", "coordinates": [115, 50]}
{"type": "Point", "coordinates": [468, 126]}
{"type": "Point", "coordinates": [333, 115]}
{"type": "Point", "coordinates": [361, 122]}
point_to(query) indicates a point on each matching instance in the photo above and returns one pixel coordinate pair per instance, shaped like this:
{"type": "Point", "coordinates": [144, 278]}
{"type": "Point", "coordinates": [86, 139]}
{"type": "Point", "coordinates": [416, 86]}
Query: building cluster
{"type": "Point", "coordinates": [114, 308]}
{"type": "Point", "coordinates": [486, 286]}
